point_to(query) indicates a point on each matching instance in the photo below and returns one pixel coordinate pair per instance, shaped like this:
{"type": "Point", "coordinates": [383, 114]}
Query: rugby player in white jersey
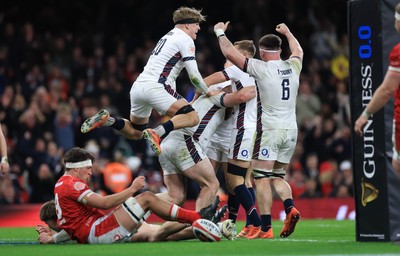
{"type": "Point", "coordinates": [182, 151]}
{"type": "Point", "coordinates": [277, 81]}
{"type": "Point", "coordinates": [241, 137]}
{"type": "Point", "coordinates": [155, 87]}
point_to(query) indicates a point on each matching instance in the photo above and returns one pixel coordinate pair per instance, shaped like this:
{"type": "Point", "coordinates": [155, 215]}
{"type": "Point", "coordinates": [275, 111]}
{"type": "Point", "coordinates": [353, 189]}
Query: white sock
{"type": "Point", "coordinates": [159, 130]}
{"type": "Point", "coordinates": [110, 121]}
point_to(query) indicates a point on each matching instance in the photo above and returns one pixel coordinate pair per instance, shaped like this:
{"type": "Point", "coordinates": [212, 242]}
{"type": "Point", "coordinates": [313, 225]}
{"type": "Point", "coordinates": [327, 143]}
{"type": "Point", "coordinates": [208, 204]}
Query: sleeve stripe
{"type": "Point", "coordinates": [86, 192]}
{"type": "Point", "coordinates": [188, 58]}
{"type": "Point", "coordinates": [225, 75]}
{"type": "Point", "coordinates": [394, 69]}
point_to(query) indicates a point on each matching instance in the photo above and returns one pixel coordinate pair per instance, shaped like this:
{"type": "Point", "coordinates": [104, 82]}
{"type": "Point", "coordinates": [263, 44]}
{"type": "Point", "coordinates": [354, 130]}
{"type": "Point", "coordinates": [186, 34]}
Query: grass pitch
{"type": "Point", "coordinates": [312, 237]}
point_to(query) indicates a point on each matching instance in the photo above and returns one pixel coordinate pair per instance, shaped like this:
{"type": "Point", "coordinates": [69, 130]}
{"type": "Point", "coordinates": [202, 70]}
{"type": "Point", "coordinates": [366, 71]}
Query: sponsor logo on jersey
{"type": "Point", "coordinates": [192, 49]}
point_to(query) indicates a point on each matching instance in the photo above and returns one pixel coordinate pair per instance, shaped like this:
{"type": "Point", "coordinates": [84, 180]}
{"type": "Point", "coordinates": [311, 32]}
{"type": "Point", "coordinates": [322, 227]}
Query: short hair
{"type": "Point", "coordinates": [188, 14]}
{"type": "Point", "coordinates": [76, 154]}
{"type": "Point", "coordinates": [48, 211]}
{"type": "Point", "coordinates": [246, 45]}
{"type": "Point", "coordinates": [270, 42]}
{"type": "Point", "coordinates": [398, 8]}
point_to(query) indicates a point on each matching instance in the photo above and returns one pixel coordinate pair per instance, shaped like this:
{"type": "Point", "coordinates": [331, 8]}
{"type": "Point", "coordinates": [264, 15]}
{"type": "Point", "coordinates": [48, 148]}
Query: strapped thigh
{"type": "Point", "coordinates": [271, 174]}
{"type": "Point", "coordinates": [237, 170]}
{"type": "Point", "coordinates": [135, 211]}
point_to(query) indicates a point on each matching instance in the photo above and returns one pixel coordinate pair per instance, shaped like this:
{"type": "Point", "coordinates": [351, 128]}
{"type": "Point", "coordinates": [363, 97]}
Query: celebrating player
{"type": "Point", "coordinates": [155, 87]}
{"type": "Point", "coordinates": [182, 151]}
{"type": "Point", "coordinates": [240, 142]}
{"type": "Point", "coordinates": [276, 137]}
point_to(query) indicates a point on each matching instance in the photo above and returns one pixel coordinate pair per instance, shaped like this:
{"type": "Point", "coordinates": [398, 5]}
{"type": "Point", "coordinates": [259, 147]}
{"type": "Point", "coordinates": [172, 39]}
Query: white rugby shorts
{"type": "Point", "coordinates": [277, 144]}
{"type": "Point", "coordinates": [106, 230]}
{"type": "Point", "coordinates": [241, 145]}
{"type": "Point", "coordinates": [214, 152]}
{"type": "Point", "coordinates": [179, 152]}
{"type": "Point", "coordinates": [148, 95]}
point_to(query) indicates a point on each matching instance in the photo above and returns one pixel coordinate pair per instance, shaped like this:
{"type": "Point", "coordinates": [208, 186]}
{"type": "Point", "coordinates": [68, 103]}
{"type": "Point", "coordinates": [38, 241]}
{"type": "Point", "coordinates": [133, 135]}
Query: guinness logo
{"type": "Point", "coordinates": [368, 193]}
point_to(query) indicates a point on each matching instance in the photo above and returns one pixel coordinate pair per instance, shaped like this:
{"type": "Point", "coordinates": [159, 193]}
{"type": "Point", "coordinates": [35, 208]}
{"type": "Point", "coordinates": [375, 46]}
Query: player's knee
{"type": "Point", "coordinates": [177, 198]}
{"type": "Point", "coordinates": [212, 185]}
{"type": "Point", "coordinates": [215, 184]}
{"type": "Point", "coordinates": [146, 199]}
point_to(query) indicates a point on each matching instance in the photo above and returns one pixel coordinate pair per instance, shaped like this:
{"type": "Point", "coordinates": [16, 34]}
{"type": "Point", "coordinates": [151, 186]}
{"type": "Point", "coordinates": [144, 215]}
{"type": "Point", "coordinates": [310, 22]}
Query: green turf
{"type": "Point", "coordinates": [312, 237]}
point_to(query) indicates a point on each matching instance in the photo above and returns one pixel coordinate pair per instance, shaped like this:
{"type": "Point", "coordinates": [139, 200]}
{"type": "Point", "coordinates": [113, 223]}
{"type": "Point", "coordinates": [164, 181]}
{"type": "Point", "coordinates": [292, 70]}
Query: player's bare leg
{"type": "Point", "coordinates": [183, 115]}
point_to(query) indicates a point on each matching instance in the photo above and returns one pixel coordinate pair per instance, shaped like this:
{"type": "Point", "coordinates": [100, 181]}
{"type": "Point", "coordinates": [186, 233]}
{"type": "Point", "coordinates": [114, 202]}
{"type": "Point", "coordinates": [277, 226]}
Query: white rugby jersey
{"type": "Point", "coordinates": [277, 83]}
{"type": "Point", "coordinates": [245, 115]}
{"type": "Point", "coordinates": [222, 135]}
{"type": "Point", "coordinates": [167, 59]}
{"type": "Point", "coordinates": [211, 114]}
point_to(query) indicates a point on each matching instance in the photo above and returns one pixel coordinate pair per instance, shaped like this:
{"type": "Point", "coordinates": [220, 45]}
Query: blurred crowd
{"type": "Point", "coordinates": [61, 62]}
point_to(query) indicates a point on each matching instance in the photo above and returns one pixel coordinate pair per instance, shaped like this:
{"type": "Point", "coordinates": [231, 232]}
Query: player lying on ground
{"type": "Point", "coordinates": [79, 208]}
{"type": "Point", "coordinates": [168, 231]}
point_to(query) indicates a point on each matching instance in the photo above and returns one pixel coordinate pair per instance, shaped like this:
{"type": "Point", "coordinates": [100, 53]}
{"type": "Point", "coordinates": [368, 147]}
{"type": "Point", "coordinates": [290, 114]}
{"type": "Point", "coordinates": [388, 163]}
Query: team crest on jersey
{"type": "Point", "coordinates": [79, 185]}
{"type": "Point", "coordinates": [245, 153]}
{"type": "Point", "coordinates": [192, 49]}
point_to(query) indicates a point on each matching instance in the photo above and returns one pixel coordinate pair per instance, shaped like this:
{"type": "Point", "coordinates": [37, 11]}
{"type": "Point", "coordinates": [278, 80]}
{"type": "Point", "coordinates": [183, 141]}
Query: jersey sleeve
{"type": "Point", "coordinates": [235, 74]}
{"type": "Point", "coordinates": [256, 68]}
{"type": "Point", "coordinates": [296, 63]}
{"type": "Point", "coordinates": [79, 190]}
{"type": "Point", "coordinates": [394, 59]}
{"type": "Point", "coordinates": [188, 50]}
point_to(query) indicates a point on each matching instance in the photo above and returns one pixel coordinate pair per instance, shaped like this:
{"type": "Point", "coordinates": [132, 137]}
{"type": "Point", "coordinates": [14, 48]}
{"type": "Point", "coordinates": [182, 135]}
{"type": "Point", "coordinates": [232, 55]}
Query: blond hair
{"type": "Point", "coordinates": [246, 45]}
{"type": "Point", "coordinates": [184, 15]}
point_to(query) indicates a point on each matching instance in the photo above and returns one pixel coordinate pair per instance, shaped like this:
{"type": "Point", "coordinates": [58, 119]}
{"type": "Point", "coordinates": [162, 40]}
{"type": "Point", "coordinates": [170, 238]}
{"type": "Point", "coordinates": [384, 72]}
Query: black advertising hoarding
{"type": "Point", "coordinates": [369, 156]}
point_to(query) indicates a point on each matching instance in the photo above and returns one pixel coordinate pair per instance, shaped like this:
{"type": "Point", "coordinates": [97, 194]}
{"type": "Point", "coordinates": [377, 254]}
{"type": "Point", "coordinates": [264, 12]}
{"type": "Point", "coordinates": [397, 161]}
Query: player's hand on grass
{"type": "Point", "coordinates": [43, 229]}
{"type": "Point", "coordinates": [45, 238]}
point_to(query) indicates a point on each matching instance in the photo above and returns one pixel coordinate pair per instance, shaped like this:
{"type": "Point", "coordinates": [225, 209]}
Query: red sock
{"type": "Point", "coordinates": [182, 215]}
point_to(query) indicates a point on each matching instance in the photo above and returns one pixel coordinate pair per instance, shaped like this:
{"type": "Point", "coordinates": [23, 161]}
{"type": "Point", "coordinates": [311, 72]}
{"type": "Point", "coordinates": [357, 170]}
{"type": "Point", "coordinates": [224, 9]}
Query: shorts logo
{"type": "Point", "coordinates": [245, 153]}
{"type": "Point", "coordinates": [264, 152]}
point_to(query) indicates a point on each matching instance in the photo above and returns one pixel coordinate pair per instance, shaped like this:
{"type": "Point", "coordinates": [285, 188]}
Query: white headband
{"type": "Point", "coordinates": [81, 164]}
{"type": "Point", "coordinates": [264, 50]}
{"type": "Point", "coordinates": [397, 16]}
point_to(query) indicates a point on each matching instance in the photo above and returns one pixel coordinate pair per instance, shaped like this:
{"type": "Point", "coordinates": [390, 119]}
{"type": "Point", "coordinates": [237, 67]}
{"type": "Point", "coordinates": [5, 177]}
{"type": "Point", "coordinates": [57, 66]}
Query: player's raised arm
{"type": "Point", "coordinates": [227, 48]}
{"type": "Point", "coordinates": [294, 45]}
